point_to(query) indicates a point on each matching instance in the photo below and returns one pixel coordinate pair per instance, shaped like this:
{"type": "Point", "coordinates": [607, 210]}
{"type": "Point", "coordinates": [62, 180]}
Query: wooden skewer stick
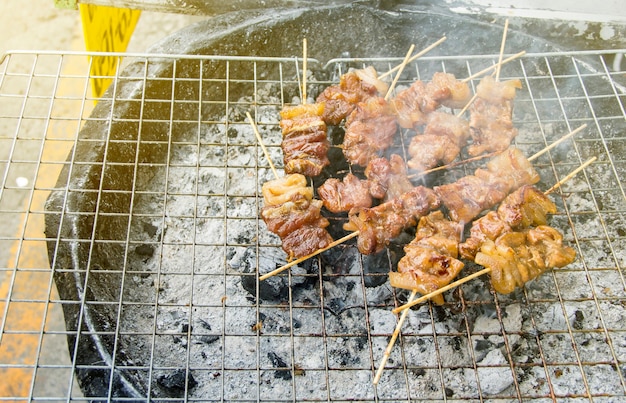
{"type": "Point", "coordinates": [304, 67]}
{"type": "Point", "coordinates": [467, 105]}
{"type": "Point", "coordinates": [413, 302]}
{"type": "Point", "coordinates": [454, 164]}
{"type": "Point", "coordinates": [303, 258]}
{"type": "Point", "coordinates": [494, 66]}
{"type": "Point", "coordinates": [400, 68]}
{"type": "Point", "coordinates": [570, 175]}
{"type": "Point", "coordinates": [415, 57]}
{"type": "Point", "coordinates": [260, 140]}
{"type": "Point", "coordinates": [440, 290]}
{"type": "Point", "coordinates": [556, 143]}
{"type": "Point", "coordinates": [394, 336]}
{"type": "Point", "coordinates": [487, 270]}
{"type": "Point", "coordinates": [506, 28]}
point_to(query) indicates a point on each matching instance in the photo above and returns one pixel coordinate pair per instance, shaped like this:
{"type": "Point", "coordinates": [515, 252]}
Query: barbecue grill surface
{"type": "Point", "coordinates": [154, 237]}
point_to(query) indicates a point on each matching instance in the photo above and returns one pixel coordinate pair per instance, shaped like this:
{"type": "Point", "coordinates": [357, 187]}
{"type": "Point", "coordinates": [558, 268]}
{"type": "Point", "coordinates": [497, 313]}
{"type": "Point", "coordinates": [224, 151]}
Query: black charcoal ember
{"type": "Point", "coordinates": [205, 325]}
{"type": "Point", "coordinates": [275, 287]}
{"type": "Point", "coordinates": [376, 269]}
{"type": "Point", "coordinates": [208, 339]}
{"type": "Point", "coordinates": [150, 229]}
{"type": "Point", "coordinates": [335, 229]}
{"type": "Point", "coordinates": [175, 381]}
{"type": "Point", "coordinates": [144, 250]}
{"type": "Point", "coordinates": [277, 362]}
{"type": "Point", "coordinates": [579, 318]}
{"type": "Point", "coordinates": [336, 305]}
{"type": "Point", "coordinates": [348, 260]}
{"type": "Point", "coordinates": [337, 160]}
{"type": "Point", "coordinates": [482, 347]}
{"type": "Point", "coordinates": [449, 392]}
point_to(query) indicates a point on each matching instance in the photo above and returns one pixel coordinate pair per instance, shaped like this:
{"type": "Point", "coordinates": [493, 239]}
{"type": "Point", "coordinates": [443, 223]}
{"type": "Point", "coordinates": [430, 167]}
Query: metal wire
{"type": "Point", "coordinates": [129, 223]}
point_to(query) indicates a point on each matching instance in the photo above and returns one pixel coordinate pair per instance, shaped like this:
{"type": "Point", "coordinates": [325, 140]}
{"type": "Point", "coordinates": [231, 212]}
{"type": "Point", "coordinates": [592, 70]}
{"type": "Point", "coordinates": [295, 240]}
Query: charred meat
{"type": "Point", "coordinates": [491, 116]}
{"type": "Point", "coordinates": [378, 225]}
{"type": "Point", "coordinates": [343, 195]}
{"type": "Point", "coordinates": [291, 213]}
{"type": "Point", "coordinates": [466, 198]}
{"type": "Point", "coordinates": [431, 259]}
{"type": "Point", "coordinates": [305, 144]}
{"type": "Point", "coordinates": [370, 129]}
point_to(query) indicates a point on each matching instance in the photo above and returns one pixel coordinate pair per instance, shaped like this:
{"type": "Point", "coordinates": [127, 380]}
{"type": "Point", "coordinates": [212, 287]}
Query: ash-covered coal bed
{"type": "Point", "coordinates": [318, 330]}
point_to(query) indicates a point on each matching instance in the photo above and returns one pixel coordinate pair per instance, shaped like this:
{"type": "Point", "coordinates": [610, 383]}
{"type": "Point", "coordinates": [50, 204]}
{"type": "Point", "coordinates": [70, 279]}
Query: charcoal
{"type": "Point", "coordinates": [348, 260]}
{"type": "Point", "coordinates": [278, 362]}
{"type": "Point", "coordinates": [175, 381]}
{"type": "Point", "coordinates": [275, 288]}
{"type": "Point", "coordinates": [144, 250]}
{"type": "Point", "coordinates": [207, 339]}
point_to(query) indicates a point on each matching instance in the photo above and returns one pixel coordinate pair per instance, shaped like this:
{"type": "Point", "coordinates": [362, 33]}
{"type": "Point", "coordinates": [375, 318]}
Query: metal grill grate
{"type": "Point", "coordinates": [153, 238]}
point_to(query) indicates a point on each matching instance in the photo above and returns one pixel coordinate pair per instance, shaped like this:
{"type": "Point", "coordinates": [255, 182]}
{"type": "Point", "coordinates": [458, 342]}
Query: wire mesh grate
{"type": "Point", "coordinates": [146, 208]}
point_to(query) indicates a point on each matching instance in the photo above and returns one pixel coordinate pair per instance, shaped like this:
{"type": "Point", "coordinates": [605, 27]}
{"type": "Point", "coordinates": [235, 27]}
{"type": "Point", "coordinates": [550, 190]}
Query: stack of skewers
{"type": "Point", "coordinates": [513, 242]}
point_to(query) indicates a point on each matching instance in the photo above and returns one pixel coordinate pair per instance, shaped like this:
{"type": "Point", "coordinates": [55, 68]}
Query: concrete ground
{"type": "Point", "coordinates": [38, 25]}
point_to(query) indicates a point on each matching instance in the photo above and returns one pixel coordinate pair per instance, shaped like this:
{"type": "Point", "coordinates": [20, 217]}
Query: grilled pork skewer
{"type": "Point", "coordinates": [549, 238]}
{"type": "Point", "coordinates": [445, 134]}
{"type": "Point", "coordinates": [486, 270]}
{"type": "Point", "coordinates": [378, 225]}
{"type": "Point", "coordinates": [354, 86]}
{"type": "Point", "coordinates": [412, 105]}
{"type": "Point", "coordinates": [358, 85]}
{"type": "Point", "coordinates": [491, 131]}
{"type": "Point", "coordinates": [480, 157]}
{"type": "Point", "coordinates": [472, 194]}
{"type": "Point", "coordinates": [371, 127]}
{"type": "Point", "coordinates": [386, 179]}
{"type": "Point", "coordinates": [441, 142]}
{"type": "Point", "coordinates": [524, 208]}
{"type": "Point", "coordinates": [491, 116]}
{"type": "Point", "coordinates": [369, 130]}
{"type": "Point", "coordinates": [305, 142]}
{"type": "Point", "coordinates": [291, 212]}
{"type": "Point", "coordinates": [431, 259]}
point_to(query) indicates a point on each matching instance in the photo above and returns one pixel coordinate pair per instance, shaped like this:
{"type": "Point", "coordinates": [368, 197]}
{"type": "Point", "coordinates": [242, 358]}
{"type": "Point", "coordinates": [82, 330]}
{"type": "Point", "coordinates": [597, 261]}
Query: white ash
{"type": "Point", "coordinates": [493, 373]}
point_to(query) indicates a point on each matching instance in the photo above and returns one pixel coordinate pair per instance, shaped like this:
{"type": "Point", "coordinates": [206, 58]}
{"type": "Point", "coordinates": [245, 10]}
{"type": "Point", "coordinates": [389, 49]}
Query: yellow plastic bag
{"type": "Point", "coordinates": [106, 29]}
